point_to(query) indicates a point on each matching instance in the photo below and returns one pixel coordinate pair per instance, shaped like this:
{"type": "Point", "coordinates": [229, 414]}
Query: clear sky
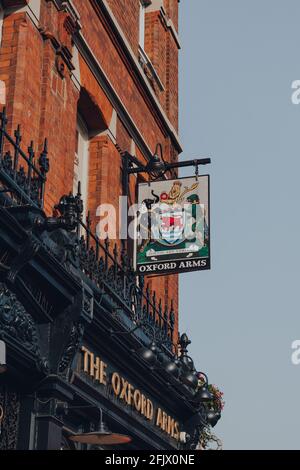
{"type": "Point", "coordinates": [238, 61]}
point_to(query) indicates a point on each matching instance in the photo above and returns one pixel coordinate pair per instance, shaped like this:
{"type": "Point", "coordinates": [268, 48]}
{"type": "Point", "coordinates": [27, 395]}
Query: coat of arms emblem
{"type": "Point", "coordinates": [174, 220]}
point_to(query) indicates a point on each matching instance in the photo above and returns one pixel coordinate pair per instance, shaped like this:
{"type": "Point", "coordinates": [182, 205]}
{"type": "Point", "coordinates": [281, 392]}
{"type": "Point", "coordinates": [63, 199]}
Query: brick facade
{"type": "Point", "coordinates": [58, 59]}
{"type": "Point", "coordinates": [127, 15]}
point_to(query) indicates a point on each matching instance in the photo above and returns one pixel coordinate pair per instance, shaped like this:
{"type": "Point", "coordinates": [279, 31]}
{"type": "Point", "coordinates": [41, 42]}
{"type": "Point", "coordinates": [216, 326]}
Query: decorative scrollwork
{"type": "Point", "coordinates": [16, 322]}
{"type": "Point", "coordinates": [72, 347]}
{"type": "Point", "coordinates": [1, 417]}
{"type": "Point", "coordinates": [21, 174]}
{"type": "Point", "coordinates": [207, 439]}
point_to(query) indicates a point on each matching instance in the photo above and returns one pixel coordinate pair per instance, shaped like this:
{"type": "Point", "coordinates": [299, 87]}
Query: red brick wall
{"type": "Point", "coordinates": [21, 46]}
{"type": "Point", "coordinates": [156, 48]}
{"type": "Point", "coordinates": [98, 96]}
{"type": "Point", "coordinates": [172, 81]}
{"type": "Point", "coordinates": [104, 175]}
{"type": "Point", "coordinates": [127, 14]}
{"type": "Point", "coordinates": [42, 102]}
{"type": "Point", "coordinates": [58, 123]}
{"type": "Point", "coordinates": [162, 49]}
{"type": "Point", "coordinates": [172, 11]}
{"type": "Point", "coordinates": [123, 137]}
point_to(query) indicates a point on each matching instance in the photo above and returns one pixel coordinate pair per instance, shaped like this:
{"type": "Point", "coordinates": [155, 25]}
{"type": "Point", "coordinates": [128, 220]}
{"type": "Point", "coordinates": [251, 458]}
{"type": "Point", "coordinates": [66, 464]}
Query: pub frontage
{"type": "Point", "coordinates": [90, 352]}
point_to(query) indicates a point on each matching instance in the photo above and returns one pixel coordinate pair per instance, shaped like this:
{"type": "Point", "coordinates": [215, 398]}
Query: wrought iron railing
{"type": "Point", "coordinates": [22, 175]}
{"type": "Point", "coordinates": [110, 268]}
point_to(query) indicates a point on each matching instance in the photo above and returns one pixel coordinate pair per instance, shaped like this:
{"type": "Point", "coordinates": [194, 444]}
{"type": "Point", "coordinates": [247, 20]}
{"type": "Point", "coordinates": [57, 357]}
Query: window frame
{"type": "Point", "coordinates": [83, 155]}
{"type": "Point", "coordinates": [142, 24]}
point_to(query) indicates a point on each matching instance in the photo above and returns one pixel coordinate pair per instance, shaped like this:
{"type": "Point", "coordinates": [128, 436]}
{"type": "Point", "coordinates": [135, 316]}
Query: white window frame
{"type": "Point", "coordinates": [2, 356]}
{"type": "Point", "coordinates": [1, 22]}
{"type": "Point", "coordinates": [2, 83]}
{"type": "Point", "coordinates": [142, 21]}
{"type": "Point", "coordinates": [81, 169]}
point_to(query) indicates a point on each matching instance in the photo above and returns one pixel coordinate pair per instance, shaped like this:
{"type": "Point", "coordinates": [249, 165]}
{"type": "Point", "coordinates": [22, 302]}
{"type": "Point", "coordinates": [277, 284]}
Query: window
{"type": "Point", "coordinates": [142, 25]}
{"type": "Point", "coordinates": [81, 162]}
{"type": "Point", "coordinates": [1, 22]}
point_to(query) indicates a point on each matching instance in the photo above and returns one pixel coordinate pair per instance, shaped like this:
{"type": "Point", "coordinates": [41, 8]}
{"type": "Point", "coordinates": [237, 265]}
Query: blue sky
{"type": "Point", "coordinates": [238, 61]}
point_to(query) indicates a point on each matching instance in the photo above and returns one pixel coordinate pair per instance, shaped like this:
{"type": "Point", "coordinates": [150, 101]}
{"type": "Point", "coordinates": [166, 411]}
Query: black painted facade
{"type": "Point", "coordinates": [60, 290]}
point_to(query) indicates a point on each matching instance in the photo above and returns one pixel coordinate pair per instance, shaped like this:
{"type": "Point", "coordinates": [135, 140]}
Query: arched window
{"type": "Point", "coordinates": [90, 123]}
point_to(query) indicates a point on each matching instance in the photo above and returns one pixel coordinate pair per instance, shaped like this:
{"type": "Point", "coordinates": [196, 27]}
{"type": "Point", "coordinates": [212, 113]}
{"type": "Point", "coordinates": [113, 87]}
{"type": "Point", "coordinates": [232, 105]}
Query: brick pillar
{"type": "Point", "coordinates": [172, 81]}
{"type": "Point", "coordinates": [104, 177]}
{"type": "Point", "coordinates": [20, 69]}
{"type": "Point", "coordinates": [59, 99]}
{"type": "Point", "coordinates": [172, 11]}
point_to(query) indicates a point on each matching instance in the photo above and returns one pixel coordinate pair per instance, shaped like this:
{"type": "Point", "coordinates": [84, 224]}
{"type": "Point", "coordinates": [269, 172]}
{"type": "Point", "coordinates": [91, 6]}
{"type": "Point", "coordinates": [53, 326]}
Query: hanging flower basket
{"type": "Point", "coordinates": [218, 401]}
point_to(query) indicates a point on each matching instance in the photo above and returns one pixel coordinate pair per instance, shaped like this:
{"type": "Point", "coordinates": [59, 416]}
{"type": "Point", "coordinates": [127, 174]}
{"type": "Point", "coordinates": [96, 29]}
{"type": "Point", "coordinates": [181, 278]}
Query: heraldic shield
{"type": "Point", "coordinates": [175, 226]}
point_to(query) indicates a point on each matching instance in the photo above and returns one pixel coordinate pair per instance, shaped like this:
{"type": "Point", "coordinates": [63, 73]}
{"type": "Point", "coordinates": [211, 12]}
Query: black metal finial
{"type": "Point", "coordinates": [70, 208]}
{"type": "Point", "coordinates": [184, 343]}
{"type": "Point", "coordinates": [17, 134]}
{"type": "Point", "coordinates": [44, 160]}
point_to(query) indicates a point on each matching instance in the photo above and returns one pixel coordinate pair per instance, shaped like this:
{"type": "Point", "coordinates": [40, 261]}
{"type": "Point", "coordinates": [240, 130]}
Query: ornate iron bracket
{"type": "Point", "coordinates": [68, 211]}
{"type": "Point", "coordinates": [27, 253]}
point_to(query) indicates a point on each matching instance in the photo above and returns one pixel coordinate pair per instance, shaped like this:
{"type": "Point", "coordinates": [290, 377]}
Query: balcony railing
{"type": "Point", "coordinates": [22, 175]}
{"type": "Point", "coordinates": [22, 183]}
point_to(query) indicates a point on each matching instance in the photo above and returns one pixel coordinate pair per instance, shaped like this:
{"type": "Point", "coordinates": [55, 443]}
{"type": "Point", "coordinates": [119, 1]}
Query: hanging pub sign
{"type": "Point", "coordinates": [173, 233]}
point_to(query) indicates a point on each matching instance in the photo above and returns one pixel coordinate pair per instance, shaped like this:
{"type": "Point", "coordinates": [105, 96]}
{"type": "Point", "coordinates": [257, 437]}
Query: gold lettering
{"type": "Point", "coordinates": [137, 398]}
{"type": "Point", "coordinates": [99, 371]}
{"type": "Point", "coordinates": [144, 406]}
{"type": "Point", "coordinates": [165, 422]}
{"type": "Point", "coordinates": [150, 410]}
{"type": "Point", "coordinates": [116, 383]}
{"type": "Point", "coordinates": [159, 418]}
{"type": "Point", "coordinates": [176, 434]}
{"type": "Point", "coordinates": [86, 360]}
{"type": "Point", "coordinates": [171, 425]}
{"type": "Point", "coordinates": [102, 373]}
{"type": "Point", "coordinates": [96, 368]}
{"type": "Point", "coordinates": [93, 366]}
{"type": "Point", "coordinates": [129, 394]}
{"type": "Point", "coordinates": [123, 395]}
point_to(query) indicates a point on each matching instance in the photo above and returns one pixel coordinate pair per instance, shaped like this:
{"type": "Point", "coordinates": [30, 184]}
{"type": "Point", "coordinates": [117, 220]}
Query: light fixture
{"type": "Point", "coordinates": [101, 437]}
{"type": "Point", "coordinates": [172, 368]}
{"type": "Point", "coordinates": [149, 354]}
{"type": "Point", "coordinates": [202, 419]}
{"type": "Point", "coordinates": [203, 395]}
{"type": "Point", "coordinates": [213, 417]}
{"type": "Point", "coordinates": [187, 362]}
{"type": "Point", "coordinates": [188, 372]}
{"type": "Point", "coordinates": [3, 367]}
{"type": "Point", "coordinates": [190, 378]}
{"type": "Point", "coordinates": [156, 165]}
